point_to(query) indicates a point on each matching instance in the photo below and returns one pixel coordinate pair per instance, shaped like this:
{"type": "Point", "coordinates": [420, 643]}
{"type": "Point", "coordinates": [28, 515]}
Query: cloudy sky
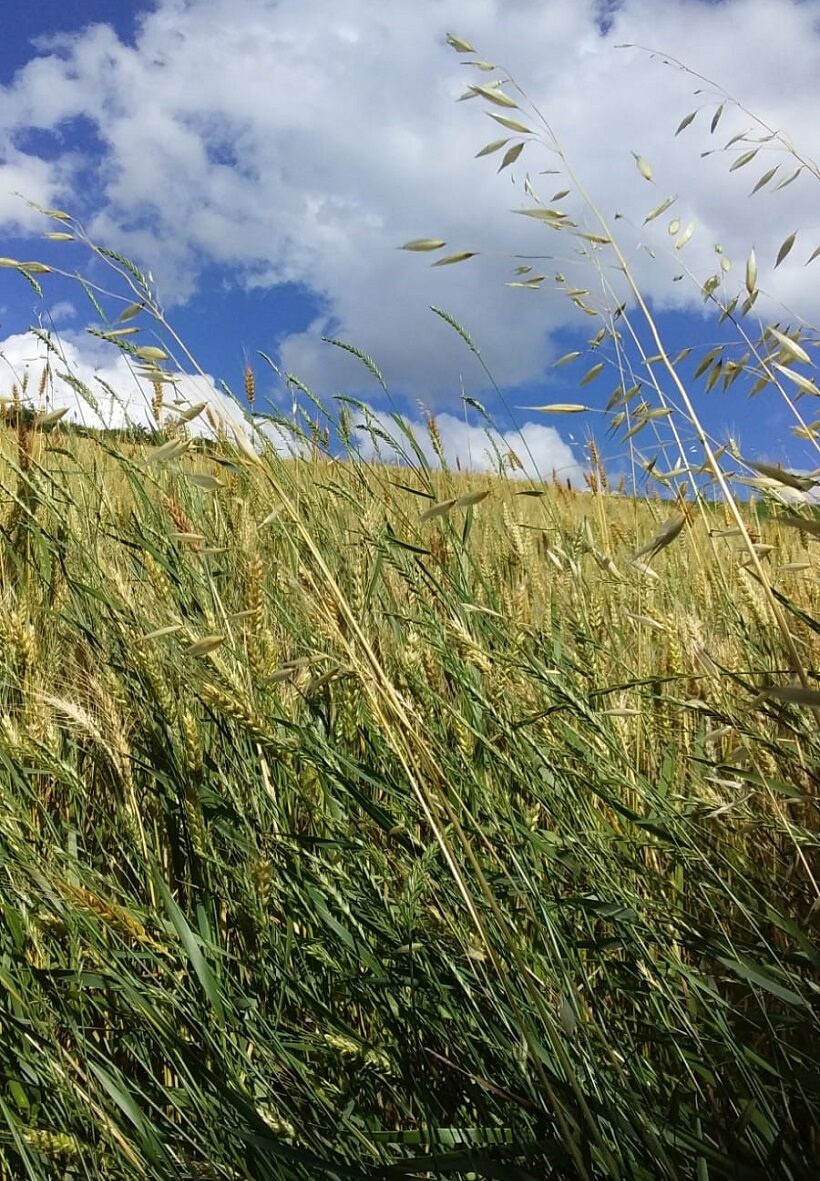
{"type": "Point", "coordinates": [265, 159]}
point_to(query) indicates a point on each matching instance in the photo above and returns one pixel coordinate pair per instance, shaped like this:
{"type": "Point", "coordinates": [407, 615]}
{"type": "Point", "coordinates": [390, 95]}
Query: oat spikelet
{"type": "Point", "coordinates": [697, 648]}
{"type": "Point", "coordinates": [664, 537]}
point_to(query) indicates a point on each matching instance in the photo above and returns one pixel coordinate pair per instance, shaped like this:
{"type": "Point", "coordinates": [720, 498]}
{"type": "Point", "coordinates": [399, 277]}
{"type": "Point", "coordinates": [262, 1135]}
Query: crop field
{"type": "Point", "coordinates": [350, 831]}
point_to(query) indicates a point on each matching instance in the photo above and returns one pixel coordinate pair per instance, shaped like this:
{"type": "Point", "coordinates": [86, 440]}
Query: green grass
{"type": "Point", "coordinates": [461, 852]}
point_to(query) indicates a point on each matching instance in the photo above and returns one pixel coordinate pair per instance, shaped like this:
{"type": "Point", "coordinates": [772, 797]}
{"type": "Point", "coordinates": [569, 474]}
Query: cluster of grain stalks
{"type": "Point", "coordinates": [227, 748]}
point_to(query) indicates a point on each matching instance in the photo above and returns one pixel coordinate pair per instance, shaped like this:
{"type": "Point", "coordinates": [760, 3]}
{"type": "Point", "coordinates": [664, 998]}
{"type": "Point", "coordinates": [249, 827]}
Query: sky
{"type": "Point", "coordinates": [265, 159]}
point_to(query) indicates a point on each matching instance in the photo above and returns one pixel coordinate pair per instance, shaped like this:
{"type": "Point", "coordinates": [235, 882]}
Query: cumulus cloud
{"type": "Point", "coordinates": [102, 390]}
{"type": "Point", "coordinates": [98, 388]}
{"type": "Point", "coordinates": [304, 141]}
{"type": "Point", "coordinates": [534, 452]}
{"type": "Point", "coordinates": [44, 182]}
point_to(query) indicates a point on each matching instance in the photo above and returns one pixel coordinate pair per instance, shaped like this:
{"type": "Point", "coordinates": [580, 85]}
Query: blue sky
{"type": "Point", "coordinates": [265, 158]}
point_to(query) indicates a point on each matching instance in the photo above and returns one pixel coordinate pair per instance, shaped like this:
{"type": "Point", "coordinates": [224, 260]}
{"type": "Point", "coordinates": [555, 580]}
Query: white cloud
{"type": "Point", "coordinates": [64, 309]}
{"type": "Point", "coordinates": [22, 175]}
{"type": "Point", "coordinates": [302, 140]}
{"type": "Point", "coordinates": [539, 450]}
{"type": "Point", "coordinates": [25, 358]}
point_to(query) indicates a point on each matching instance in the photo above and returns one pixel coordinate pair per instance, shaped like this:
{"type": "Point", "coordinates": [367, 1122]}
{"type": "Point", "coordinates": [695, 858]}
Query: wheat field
{"type": "Point", "coordinates": [364, 821]}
